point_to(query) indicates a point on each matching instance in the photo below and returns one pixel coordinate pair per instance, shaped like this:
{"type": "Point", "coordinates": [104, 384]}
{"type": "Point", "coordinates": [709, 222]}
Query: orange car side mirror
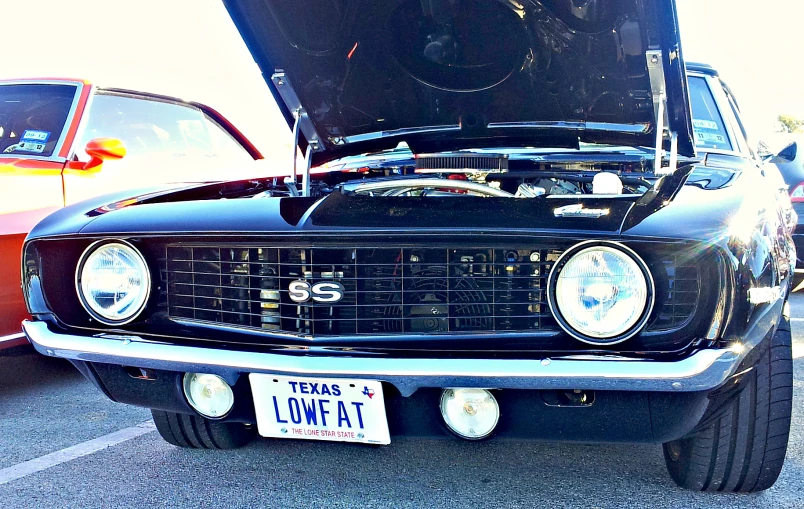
{"type": "Point", "coordinates": [104, 149]}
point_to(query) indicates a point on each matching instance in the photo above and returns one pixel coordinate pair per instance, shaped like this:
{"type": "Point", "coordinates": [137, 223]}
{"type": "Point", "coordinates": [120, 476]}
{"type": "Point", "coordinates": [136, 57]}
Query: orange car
{"type": "Point", "coordinates": [60, 142]}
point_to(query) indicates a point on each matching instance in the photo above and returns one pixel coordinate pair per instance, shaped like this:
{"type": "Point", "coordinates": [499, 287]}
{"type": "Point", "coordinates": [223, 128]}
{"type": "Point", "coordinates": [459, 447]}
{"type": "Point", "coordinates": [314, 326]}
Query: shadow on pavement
{"type": "Point", "coordinates": [32, 372]}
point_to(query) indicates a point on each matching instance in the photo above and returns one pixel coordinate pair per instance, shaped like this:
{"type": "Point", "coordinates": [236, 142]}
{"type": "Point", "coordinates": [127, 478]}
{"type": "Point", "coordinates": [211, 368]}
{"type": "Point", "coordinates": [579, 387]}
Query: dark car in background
{"type": "Point", "coordinates": [518, 227]}
{"type": "Point", "coordinates": [790, 162]}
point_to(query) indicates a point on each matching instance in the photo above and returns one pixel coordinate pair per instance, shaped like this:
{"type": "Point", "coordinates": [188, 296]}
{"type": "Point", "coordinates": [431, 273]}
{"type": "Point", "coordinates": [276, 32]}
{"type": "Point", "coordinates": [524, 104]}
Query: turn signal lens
{"type": "Point", "coordinates": [209, 395]}
{"type": "Point", "coordinates": [470, 413]}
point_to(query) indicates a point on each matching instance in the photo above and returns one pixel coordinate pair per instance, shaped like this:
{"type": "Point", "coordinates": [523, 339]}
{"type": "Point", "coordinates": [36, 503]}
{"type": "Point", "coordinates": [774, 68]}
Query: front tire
{"type": "Point", "coordinates": [195, 432]}
{"type": "Point", "coordinates": [742, 448]}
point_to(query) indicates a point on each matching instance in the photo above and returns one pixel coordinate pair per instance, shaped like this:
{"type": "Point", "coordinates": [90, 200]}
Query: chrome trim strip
{"type": "Point", "coordinates": [701, 371]}
{"type": "Point", "coordinates": [11, 337]}
{"type": "Point", "coordinates": [44, 81]}
{"type": "Point", "coordinates": [734, 153]}
{"type": "Point", "coordinates": [404, 185]}
{"type": "Point", "coordinates": [27, 157]}
{"type": "Point", "coordinates": [574, 126]}
{"type": "Point", "coordinates": [399, 132]}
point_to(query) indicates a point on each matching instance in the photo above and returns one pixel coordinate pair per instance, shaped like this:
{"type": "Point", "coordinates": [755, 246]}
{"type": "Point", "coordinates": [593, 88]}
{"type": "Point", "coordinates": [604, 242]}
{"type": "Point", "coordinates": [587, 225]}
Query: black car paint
{"type": "Point", "coordinates": [686, 216]}
{"type": "Point", "coordinates": [50, 256]}
{"type": "Point", "coordinates": [198, 211]}
{"type": "Point", "coordinates": [542, 415]}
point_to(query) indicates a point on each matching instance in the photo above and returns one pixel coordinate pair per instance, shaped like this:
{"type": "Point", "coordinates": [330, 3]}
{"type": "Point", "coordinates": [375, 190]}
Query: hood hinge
{"type": "Point", "coordinates": [659, 92]}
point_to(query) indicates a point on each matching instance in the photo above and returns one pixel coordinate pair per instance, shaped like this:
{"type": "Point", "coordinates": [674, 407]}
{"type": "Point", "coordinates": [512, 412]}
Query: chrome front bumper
{"type": "Point", "coordinates": [701, 371]}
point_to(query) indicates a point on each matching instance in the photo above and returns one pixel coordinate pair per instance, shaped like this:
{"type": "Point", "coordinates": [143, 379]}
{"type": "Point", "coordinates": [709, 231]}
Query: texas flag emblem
{"type": "Point", "coordinates": [368, 392]}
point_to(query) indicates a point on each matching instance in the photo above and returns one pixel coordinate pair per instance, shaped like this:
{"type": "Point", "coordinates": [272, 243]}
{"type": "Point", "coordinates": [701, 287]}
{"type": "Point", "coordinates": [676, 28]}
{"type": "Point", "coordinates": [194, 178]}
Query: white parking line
{"type": "Point", "coordinates": [35, 465]}
{"type": "Point", "coordinates": [797, 319]}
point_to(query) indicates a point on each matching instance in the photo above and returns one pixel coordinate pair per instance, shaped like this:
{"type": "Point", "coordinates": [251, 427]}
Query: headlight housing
{"type": "Point", "coordinates": [113, 282]}
{"type": "Point", "coordinates": [601, 293]}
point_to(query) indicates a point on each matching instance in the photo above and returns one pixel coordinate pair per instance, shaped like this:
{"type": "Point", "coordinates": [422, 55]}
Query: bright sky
{"type": "Point", "coordinates": [190, 49]}
{"type": "Point", "coordinates": [758, 48]}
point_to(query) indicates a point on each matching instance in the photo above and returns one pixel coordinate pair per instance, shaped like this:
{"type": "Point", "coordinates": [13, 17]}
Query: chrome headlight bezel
{"type": "Point", "coordinates": [620, 249]}
{"type": "Point", "coordinates": [142, 300]}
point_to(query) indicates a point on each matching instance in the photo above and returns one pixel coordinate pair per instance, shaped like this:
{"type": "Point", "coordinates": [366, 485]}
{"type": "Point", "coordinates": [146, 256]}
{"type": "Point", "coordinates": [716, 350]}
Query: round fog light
{"type": "Point", "coordinates": [209, 395]}
{"type": "Point", "coordinates": [470, 413]}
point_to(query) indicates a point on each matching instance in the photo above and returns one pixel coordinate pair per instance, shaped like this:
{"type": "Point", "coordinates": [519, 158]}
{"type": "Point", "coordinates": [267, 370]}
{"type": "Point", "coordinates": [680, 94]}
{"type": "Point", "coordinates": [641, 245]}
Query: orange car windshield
{"type": "Point", "coordinates": [33, 117]}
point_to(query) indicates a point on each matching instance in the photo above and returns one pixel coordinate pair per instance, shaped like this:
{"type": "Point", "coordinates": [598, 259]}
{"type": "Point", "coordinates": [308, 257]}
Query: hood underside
{"type": "Point", "coordinates": [451, 74]}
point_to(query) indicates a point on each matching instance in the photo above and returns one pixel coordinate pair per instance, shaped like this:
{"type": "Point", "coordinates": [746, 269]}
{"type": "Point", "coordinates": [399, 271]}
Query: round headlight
{"type": "Point", "coordinates": [113, 282]}
{"type": "Point", "coordinates": [601, 294]}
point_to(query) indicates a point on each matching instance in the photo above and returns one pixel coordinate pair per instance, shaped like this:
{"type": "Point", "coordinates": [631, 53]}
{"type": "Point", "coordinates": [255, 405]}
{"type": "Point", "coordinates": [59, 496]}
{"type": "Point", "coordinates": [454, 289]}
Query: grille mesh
{"type": "Point", "coordinates": [468, 162]}
{"type": "Point", "coordinates": [387, 291]}
{"type": "Point", "coordinates": [682, 295]}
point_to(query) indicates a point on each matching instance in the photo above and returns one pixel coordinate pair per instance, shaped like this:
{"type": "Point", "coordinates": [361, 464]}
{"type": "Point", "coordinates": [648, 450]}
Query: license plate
{"type": "Point", "coordinates": [336, 409]}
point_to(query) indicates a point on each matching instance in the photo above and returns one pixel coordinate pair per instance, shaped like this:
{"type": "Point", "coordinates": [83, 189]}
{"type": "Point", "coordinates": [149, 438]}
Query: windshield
{"type": "Point", "coordinates": [33, 117]}
{"type": "Point", "coordinates": [710, 131]}
{"type": "Point", "coordinates": [154, 127]}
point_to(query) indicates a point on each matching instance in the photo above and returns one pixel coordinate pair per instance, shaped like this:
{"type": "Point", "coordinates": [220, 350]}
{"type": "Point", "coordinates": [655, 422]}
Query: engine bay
{"type": "Point", "coordinates": [474, 174]}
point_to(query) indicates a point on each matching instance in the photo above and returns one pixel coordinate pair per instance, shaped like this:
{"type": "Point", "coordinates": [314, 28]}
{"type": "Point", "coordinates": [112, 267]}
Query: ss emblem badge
{"type": "Point", "coordinates": [326, 292]}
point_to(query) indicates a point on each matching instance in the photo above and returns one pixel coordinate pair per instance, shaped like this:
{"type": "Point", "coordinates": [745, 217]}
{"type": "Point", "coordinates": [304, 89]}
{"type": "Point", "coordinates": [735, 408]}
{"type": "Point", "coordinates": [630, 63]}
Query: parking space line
{"type": "Point", "coordinates": [35, 465]}
{"type": "Point", "coordinates": [797, 319]}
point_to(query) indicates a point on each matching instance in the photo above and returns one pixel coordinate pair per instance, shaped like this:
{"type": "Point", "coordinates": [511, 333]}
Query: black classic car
{"type": "Point", "coordinates": [502, 228]}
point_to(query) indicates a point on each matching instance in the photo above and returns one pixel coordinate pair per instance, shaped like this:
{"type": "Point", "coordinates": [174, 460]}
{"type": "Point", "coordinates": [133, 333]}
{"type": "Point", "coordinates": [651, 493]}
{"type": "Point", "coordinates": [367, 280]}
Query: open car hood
{"type": "Point", "coordinates": [451, 74]}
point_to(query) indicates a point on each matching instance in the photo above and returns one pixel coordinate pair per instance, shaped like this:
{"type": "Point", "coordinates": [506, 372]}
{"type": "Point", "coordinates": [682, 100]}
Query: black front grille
{"type": "Point", "coordinates": [387, 291]}
{"type": "Point", "coordinates": [682, 294]}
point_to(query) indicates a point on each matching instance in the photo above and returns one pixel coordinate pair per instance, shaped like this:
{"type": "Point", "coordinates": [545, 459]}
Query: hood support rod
{"type": "Point", "coordinates": [302, 125]}
{"type": "Point", "coordinates": [291, 181]}
{"type": "Point", "coordinates": [657, 160]}
{"type": "Point", "coordinates": [655, 61]}
{"type": "Point", "coordinates": [660, 133]}
{"type": "Point", "coordinates": [308, 159]}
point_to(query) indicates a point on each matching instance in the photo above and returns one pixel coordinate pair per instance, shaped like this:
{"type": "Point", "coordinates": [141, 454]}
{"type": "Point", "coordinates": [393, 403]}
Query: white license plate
{"type": "Point", "coordinates": [336, 409]}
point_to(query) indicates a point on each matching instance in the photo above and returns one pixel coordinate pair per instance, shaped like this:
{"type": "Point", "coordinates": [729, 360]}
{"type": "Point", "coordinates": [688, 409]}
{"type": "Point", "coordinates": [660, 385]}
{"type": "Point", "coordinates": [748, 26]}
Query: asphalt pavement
{"type": "Point", "coordinates": [63, 444]}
